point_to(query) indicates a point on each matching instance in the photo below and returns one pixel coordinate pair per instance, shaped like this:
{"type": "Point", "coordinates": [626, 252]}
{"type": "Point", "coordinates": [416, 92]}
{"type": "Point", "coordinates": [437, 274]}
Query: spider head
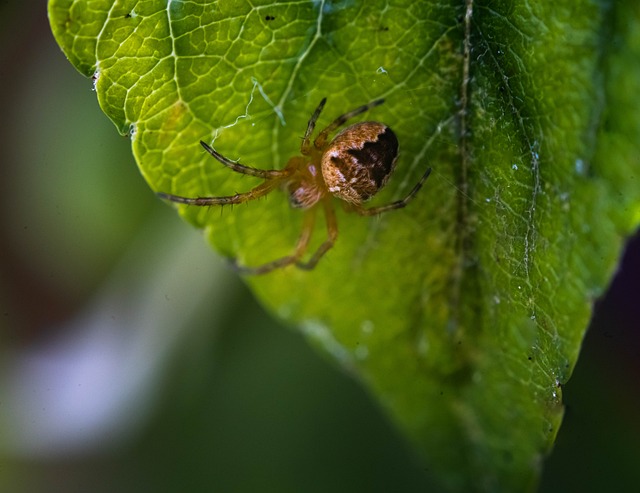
{"type": "Point", "coordinates": [305, 188]}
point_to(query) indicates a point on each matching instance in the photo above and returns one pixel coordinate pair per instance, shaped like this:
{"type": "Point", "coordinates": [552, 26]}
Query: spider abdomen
{"type": "Point", "coordinates": [359, 161]}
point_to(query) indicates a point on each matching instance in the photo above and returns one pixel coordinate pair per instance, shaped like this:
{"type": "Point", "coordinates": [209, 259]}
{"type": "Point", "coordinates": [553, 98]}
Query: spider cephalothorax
{"type": "Point", "coordinates": [353, 166]}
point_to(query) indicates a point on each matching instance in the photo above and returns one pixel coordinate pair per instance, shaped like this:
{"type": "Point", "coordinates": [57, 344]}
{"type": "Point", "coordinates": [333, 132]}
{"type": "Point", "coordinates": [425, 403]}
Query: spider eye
{"type": "Point", "coordinates": [359, 161]}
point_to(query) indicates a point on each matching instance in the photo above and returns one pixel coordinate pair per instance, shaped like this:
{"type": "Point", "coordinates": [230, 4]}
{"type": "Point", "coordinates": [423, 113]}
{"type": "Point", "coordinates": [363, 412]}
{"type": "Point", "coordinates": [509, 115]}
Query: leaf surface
{"type": "Point", "coordinates": [464, 312]}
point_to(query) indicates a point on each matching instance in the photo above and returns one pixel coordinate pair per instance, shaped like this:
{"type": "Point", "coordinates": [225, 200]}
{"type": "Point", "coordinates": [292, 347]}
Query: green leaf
{"type": "Point", "coordinates": [464, 312]}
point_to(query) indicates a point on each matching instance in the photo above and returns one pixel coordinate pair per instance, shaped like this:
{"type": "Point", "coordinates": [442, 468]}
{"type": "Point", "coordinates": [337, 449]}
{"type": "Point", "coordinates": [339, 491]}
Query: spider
{"type": "Point", "coordinates": [353, 167]}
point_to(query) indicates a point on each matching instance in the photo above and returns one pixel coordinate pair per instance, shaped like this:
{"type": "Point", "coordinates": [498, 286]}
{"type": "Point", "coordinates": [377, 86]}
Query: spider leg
{"type": "Point", "coordinates": [241, 168]}
{"type": "Point", "coordinates": [257, 192]}
{"type": "Point", "coordinates": [332, 235]}
{"type": "Point", "coordinates": [300, 249]}
{"type": "Point", "coordinates": [398, 204]}
{"type": "Point", "coordinates": [305, 148]}
{"type": "Point", "coordinates": [321, 139]}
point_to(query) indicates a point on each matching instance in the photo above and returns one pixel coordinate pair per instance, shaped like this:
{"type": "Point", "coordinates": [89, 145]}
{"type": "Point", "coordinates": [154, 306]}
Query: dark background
{"type": "Point", "coordinates": [213, 395]}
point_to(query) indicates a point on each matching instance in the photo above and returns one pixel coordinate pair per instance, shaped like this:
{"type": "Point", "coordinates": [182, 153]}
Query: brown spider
{"type": "Point", "coordinates": [353, 167]}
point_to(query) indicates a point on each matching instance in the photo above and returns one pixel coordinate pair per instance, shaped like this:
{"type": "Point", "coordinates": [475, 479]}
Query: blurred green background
{"type": "Point", "coordinates": [132, 359]}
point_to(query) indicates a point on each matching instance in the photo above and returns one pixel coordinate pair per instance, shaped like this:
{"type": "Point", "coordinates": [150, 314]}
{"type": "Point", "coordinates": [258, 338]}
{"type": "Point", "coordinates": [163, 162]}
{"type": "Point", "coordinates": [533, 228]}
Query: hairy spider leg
{"type": "Point", "coordinates": [321, 139]}
{"type": "Point", "coordinates": [398, 204]}
{"type": "Point", "coordinates": [300, 249]}
{"type": "Point", "coordinates": [305, 148]}
{"type": "Point", "coordinates": [332, 236]}
{"type": "Point", "coordinates": [273, 178]}
{"type": "Point", "coordinates": [241, 168]}
{"type": "Point", "coordinates": [256, 192]}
